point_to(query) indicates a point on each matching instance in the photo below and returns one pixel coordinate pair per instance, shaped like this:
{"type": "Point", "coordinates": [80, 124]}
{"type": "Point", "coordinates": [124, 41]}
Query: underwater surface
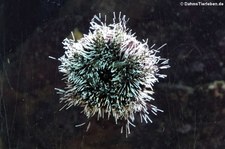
{"type": "Point", "coordinates": [192, 95]}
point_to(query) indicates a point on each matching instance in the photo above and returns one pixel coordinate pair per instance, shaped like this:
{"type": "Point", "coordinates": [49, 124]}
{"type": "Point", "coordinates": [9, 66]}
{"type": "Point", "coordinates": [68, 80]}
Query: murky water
{"type": "Point", "coordinates": [192, 96]}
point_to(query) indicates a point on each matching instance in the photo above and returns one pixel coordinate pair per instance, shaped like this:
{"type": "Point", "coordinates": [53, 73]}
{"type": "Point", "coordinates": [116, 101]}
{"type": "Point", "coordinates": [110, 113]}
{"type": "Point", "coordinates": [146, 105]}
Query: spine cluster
{"type": "Point", "coordinates": [110, 73]}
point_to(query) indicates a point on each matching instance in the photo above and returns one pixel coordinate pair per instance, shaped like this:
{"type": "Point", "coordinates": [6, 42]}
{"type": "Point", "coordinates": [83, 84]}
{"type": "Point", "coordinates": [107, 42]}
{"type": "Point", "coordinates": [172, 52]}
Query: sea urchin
{"type": "Point", "coordinates": [109, 72]}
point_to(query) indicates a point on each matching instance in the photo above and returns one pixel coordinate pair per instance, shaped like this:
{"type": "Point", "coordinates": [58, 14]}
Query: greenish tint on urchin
{"type": "Point", "coordinates": [109, 72]}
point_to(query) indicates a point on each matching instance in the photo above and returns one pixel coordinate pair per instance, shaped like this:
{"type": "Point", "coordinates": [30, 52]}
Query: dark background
{"type": "Point", "coordinates": [192, 96]}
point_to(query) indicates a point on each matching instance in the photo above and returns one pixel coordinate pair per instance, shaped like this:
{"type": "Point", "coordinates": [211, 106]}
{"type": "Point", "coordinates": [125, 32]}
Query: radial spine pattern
{"type": "Point", "coordinates": [110, 73]}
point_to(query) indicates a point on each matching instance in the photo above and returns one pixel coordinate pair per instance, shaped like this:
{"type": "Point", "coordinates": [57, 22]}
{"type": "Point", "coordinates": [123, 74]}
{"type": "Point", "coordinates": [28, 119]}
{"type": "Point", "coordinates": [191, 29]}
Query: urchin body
{"type": "Point", "coordinates": [109, 72]}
